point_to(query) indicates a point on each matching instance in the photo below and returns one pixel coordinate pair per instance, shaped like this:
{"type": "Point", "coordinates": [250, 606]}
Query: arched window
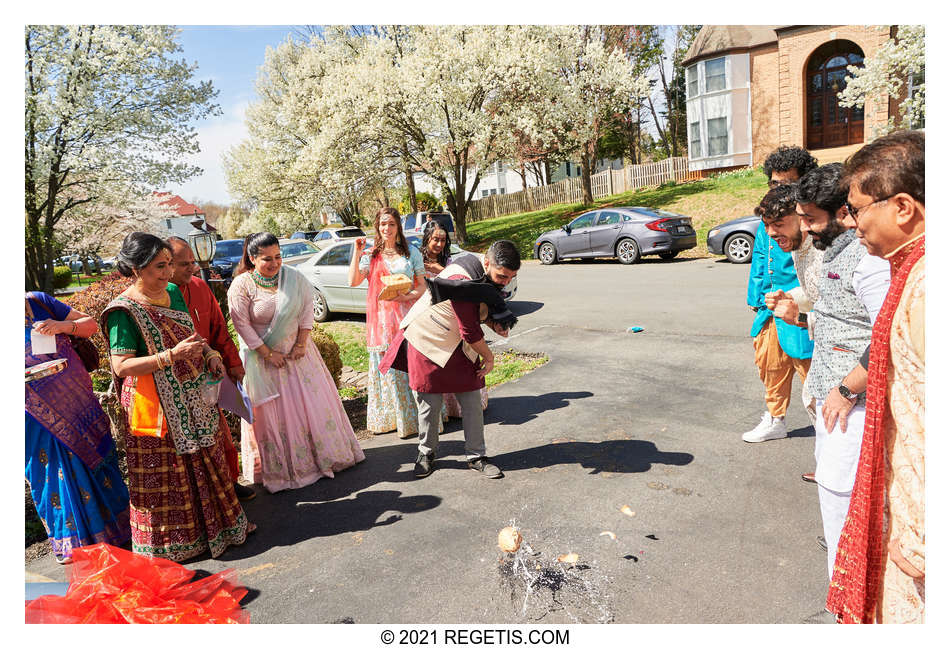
{"type": "Point", "coordinates": [828, 123]}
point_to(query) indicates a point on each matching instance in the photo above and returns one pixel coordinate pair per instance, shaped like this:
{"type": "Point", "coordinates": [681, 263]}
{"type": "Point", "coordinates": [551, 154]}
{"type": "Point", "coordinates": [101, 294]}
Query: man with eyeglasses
{"type": "Point", "coordinates": [776, 343]}
{"type": "Point", "coordinates": [210, 324]}
{"type": "Point", "coordinates": [879, 572]}
{"type": "Point", "coordinates": [851, 289]}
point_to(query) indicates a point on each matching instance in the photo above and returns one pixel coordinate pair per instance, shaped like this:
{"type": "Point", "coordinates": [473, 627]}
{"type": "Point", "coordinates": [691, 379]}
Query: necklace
{"type": "Point", "coordinates": [264, 282]}
{"type": "Point", "coordinates": [165, 300]}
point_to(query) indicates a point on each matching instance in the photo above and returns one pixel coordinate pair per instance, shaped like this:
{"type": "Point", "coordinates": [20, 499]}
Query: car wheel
{"type": "Point", "coordinates": [320, 310]}
{"type": "Point", "coordinates": [738, 248]}
{"type": "Point", "coordinates": [547, 254]}
{"type": "Point", "coordinates": [667, 256]}
{"type": "Point", "coordinates": [628, 252]}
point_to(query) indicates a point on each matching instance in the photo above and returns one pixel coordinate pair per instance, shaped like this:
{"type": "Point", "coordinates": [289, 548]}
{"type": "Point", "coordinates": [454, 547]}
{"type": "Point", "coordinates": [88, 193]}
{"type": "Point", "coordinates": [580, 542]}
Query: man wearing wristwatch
{"type": "Point", "coordinates": [851, 289]}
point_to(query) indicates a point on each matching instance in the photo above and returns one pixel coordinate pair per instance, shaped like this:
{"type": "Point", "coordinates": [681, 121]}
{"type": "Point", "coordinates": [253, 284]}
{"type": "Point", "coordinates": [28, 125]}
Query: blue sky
{"type": "Point", "coordinates": [230, 57]}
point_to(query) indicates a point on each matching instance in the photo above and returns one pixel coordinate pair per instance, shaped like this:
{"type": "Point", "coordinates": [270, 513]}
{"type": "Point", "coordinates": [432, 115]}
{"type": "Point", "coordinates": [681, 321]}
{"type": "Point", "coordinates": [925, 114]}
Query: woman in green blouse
{"type": "Point", "coordinates": [182, 499]}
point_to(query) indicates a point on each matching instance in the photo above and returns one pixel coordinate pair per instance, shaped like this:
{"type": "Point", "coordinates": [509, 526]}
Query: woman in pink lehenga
{"type": "Point", "coordinates": [435, 257]}
{"type": "Point", "coordinates": [300, 432]}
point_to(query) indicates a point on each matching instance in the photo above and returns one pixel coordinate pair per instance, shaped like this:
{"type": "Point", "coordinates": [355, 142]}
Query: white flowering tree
{"type": "Point", "coordinates": [108, 109]}
{"type": "Point", "coordinates": [94, 227]}
{"type": "Point", "coordinates": [897, 67]}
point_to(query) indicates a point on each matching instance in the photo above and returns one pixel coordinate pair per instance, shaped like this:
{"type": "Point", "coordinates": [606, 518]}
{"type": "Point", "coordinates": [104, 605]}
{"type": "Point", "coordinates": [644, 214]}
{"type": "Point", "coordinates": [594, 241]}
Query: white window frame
{"type": "Point", "coordinates": [725, 80]}
{"type": "Point", "coordinates": [694, 80]}
{"type": "Point", "coordinates": [696, 146]}
{"type": "Point", "coordinates": [709, 148]}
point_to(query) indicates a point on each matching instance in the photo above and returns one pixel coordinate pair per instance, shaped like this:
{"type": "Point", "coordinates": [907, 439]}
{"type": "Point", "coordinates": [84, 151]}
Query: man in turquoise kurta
{"type": "Point", "coordinates": [781, 350]}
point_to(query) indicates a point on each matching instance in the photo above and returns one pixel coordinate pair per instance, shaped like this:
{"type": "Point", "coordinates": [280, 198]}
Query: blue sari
{"type": "Point", "coordinates": [71, 461]}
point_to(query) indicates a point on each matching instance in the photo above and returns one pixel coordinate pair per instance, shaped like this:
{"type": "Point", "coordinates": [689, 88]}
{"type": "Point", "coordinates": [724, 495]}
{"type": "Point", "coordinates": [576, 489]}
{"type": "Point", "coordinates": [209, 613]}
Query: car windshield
{"type": "Point", "coordinates": [348, 233]}
{"type": "Point", "coordinates": [228, 248]}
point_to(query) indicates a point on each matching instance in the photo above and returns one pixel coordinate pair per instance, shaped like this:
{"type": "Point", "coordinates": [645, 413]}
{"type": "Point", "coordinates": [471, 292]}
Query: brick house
{"type": "Point", "coordinates": [751, 88]}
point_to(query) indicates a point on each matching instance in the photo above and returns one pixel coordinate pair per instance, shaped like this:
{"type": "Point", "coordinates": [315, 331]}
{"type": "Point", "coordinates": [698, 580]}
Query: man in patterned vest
{"type": "Point", "coordinates": [443, 349]}
{"type": "Point", "coordinates": [851, 289]}
{"type": "Point", "coordinates": [780, 349]}
{"type": "Point", "coordinates": [879, 572]}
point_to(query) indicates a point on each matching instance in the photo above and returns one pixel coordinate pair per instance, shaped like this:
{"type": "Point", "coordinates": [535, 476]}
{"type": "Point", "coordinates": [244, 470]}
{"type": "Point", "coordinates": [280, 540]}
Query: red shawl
{"type": "Point", "coordinates": [859, 565]}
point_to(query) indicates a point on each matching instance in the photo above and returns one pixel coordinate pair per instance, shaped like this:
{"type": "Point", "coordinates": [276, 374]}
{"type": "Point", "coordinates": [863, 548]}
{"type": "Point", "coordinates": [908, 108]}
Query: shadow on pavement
{"type": "Point", "coordinates": [614, 456]}
{"type": "Point", "coordinates": [511, 411]}
{"type": "Point", "coordinates": [297, 519]}
{"type": "Point", "coordinates": [805, 431]}
{"type": "Point", "coordinates": [520, 308]}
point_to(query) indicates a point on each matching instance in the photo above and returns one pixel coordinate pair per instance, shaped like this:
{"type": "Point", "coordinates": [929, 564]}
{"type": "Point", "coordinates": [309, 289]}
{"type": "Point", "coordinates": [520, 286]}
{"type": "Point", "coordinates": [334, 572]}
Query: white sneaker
{"type": "Point", "coordinates": [769, 428]}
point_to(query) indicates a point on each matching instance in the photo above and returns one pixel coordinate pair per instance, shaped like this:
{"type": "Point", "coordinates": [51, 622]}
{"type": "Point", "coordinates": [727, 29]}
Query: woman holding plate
{"type": "Point", "coordinates": [71, 462]}
{"type": "Point", "coordinates": [390, 404]}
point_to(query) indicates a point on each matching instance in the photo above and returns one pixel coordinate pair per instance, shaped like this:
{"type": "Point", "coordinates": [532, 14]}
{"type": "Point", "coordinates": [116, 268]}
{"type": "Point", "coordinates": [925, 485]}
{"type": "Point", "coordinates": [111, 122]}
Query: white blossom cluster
{"type": "Point", "coordinates": [887, 73]}
{"type": "Point", "coordinates": [355, 109]}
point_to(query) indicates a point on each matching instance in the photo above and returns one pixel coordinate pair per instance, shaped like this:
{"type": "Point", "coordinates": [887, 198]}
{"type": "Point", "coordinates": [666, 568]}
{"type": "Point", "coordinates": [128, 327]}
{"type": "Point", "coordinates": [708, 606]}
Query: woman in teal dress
{"type": "Point", "coordinates": [71, 461]}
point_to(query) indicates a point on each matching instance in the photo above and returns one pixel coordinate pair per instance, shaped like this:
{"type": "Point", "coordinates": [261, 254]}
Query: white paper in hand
{"type": "Point", "coordinates": [41, 343]}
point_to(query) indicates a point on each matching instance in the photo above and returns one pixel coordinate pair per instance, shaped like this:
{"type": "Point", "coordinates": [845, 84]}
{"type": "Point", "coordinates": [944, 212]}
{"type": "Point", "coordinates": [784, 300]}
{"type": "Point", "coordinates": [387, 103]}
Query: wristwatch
{"type": "Point", "coordinates": [846, 392]}
{"type": "Point", "coordinates": [803, 318]}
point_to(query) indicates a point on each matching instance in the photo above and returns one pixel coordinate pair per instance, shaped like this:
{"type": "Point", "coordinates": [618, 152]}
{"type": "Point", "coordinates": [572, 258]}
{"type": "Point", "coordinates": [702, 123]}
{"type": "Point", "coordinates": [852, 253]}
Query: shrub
{"type": "Point", "coordinates": [93, 301]}
{"type": "Point", "coordinates": [425, 201]}
{"type": "Point", "coordinates": [329, 350]}
{"type": "Point", "coordinates": [62, 277]}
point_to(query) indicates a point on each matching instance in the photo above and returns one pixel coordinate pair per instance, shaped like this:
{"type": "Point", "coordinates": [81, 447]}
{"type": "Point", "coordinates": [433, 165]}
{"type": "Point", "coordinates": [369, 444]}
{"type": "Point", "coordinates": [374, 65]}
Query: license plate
{"type": "Point", "coordinates": [682, 229]}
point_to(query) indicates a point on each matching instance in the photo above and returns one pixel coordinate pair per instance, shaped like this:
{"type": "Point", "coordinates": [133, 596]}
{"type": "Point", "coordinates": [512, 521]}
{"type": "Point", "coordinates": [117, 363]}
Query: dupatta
{"type": "Point", "coordinates": [65, 405]}
{"type": "Point", "coordinates": [382, 316]}
{"type": "Point", "coordinates": [294, 293]}
{"type": "Point", "coordinates": [859, 564]}
{"type": "Point", "coordinates": [175, 404]}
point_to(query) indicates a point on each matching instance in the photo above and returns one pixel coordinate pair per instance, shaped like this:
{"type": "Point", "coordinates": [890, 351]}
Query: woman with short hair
{"type": "Point", "coordinates": [182, 497]}
{"type": "Point", "coordinates": [301, 432]}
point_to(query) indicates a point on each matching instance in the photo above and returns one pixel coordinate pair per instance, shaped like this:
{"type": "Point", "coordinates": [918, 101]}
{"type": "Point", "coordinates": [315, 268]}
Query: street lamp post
{"type": "Point", "coordinates": [202, 245]}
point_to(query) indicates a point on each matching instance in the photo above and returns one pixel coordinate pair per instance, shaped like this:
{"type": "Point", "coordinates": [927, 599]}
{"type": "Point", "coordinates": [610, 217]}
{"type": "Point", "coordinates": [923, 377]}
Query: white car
{"type": "Point", "coordinates": [328, 272]}
{"type": "Point", "coordinates": [296, 251]}
{"type": "Point", "coordinates": [329, 236]}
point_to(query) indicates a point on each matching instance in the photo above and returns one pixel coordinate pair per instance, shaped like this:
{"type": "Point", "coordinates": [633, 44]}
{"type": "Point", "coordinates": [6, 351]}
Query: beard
{"type": "Point", "coordinates": [823, 240]}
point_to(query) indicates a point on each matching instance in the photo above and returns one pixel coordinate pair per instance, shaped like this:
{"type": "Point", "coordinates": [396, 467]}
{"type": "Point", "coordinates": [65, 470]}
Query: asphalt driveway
{"type": "Point", "coordinates": [721, 531]}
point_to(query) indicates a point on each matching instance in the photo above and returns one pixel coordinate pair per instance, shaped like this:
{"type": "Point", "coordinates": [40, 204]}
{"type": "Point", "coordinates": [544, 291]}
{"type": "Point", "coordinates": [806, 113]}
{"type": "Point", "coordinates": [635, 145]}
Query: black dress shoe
{"type": "Point", "coordinates": [486, 468]}
{"type": "Point", "coordinates": [822, 543]}
{"type": "Point", "coordinates": [424, 465]}
{"type": "Point", "coordinates": [244, 493]}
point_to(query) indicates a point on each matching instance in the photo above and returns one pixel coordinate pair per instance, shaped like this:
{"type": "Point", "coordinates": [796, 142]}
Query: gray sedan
{"type": "Point", "coordinates": [734, 239]}
{"type": "Point", "coordinates": [626, 233]}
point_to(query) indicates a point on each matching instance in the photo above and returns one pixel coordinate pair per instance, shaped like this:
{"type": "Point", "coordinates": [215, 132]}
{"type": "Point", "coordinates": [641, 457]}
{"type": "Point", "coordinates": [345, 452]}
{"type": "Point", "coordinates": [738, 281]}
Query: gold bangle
{"type": "Point", "coordinates": [160, 360]}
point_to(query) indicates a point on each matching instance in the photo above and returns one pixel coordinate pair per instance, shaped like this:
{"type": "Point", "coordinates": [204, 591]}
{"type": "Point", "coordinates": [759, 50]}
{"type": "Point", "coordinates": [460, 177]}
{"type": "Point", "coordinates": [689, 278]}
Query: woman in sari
{"type": "Point", "coordinates": [435, 257]}
{"type": "Point", "coordinates": [390, 402]}
{"type": "Point", "coordinates": [71, 462]}
{"type": "Point", "coordinates": [301, 432]}
{"type": "Point", "coordinates": [182, 497]}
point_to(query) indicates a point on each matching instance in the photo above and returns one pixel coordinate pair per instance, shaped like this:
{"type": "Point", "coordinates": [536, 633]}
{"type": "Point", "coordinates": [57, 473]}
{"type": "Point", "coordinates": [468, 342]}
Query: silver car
{"type": "Point", "coordinates": [734, 239]}
{"type": "Point", "coordinates": [328, 272]}
{"type": "Point", "coordinates": [626, 233]}
{"type": "Point", "coordinates": [296, 251]}
{"type": "Point", "coordinates": [327, 237]}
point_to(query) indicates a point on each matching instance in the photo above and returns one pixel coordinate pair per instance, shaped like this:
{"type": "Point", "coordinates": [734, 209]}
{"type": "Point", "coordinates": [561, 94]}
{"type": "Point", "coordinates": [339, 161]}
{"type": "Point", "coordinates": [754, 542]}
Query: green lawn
{"type": "Point", "coordinates": [351, 338]}
{"type": "Point", "coordinates": [709, 202]}
{"type": "Point", "coordinates": [86, 280]}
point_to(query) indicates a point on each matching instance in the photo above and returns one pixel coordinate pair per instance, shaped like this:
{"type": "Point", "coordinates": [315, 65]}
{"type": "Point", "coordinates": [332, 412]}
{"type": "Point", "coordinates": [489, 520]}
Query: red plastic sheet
{"type": "Point", "coordinates": [109, 585]}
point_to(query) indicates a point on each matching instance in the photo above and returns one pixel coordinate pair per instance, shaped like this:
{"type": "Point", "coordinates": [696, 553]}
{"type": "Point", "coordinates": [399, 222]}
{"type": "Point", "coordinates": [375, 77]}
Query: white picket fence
{"type": "Point", "coordinates": [569, 190]}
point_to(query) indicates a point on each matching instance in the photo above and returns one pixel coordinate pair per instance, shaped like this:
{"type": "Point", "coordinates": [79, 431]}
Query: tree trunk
{"type": "Point", "coordinates": [524, 180]}
{"type": "Point", "coordinates": [586, 160]}
{"type": "Point", "coordinates": [410, 181]}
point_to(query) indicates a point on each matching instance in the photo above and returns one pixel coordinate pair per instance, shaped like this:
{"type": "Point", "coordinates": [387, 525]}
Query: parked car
{"type": "Point", "coordinates": [108, 263]}
{"type": "Point", "coordinates": [415, 223]}
{"type": "Point", "coordinates": [227, 255]}
{"type": "Point", "coordinates": [75, 263]}
{"type": "Point", "coordinates": [626, 233]}
{"type": "Point", "coordinates": [297, 251]}
{"type": "Point", "coordinates": [328, 272]}
{"type": "Point", "coordinates": [308, 235]}
{"type": "Point", "coordinates": [734, 239]}
{"type": "Point", "coordinates": [324, 238]}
